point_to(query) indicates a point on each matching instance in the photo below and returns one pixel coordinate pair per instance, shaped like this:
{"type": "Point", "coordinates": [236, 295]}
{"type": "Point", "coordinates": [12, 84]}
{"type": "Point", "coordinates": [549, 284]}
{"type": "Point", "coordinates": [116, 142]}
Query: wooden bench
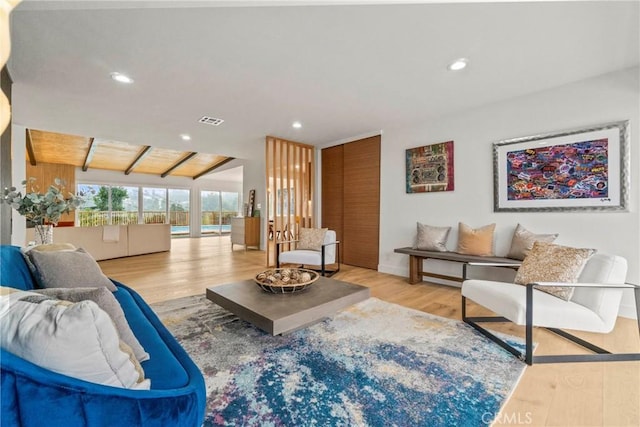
{"type": "Point", "coordinates": [416, 257]}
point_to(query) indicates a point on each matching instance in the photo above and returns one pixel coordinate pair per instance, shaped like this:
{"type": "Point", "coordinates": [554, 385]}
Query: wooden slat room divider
{"type": "Point", "coordinates": [290, 169]}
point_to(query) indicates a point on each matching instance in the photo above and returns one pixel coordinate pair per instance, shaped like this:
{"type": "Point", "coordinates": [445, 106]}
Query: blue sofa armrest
{"type": "Point", "coordinates": [30, 394]}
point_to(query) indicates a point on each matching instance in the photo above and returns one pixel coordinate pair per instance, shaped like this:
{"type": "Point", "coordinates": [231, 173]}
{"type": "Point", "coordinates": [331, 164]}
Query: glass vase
{"type": "Point", "coordinates": [43, 234]}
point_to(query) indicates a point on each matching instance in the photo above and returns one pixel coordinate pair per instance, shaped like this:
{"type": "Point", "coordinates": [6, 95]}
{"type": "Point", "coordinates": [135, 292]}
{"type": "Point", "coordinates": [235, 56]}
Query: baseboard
{"type": "Point", "coordinates": [393, 269]}
{"type": "Point", "coordinates": [627, 310]}
{"type": "Point", "coordinates": [404, 272]}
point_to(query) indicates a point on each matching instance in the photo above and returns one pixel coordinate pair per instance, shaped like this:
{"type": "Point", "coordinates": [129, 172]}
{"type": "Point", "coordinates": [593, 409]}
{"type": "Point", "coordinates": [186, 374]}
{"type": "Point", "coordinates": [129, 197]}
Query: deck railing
{"type": "Point", "coordinates": [90, 218]}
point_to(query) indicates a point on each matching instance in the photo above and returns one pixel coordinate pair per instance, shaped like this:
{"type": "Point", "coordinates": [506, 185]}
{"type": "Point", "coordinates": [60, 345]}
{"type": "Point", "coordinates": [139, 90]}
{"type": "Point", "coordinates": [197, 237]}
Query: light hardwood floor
{"type": "Point", "coordinates": [570, 394]}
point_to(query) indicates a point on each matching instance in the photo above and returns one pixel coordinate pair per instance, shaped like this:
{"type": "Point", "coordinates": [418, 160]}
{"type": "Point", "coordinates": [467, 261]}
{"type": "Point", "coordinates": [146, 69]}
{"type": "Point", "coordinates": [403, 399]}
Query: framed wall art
{"type": "Point", "coordinates": [430, 168]}
{"type": "Point", "coordinates": [581, 169]}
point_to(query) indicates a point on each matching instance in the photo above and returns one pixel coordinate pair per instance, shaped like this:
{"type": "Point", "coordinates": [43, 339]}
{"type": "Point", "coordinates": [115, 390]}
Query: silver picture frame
{"type": "Point", "coordinates": [585, 169]}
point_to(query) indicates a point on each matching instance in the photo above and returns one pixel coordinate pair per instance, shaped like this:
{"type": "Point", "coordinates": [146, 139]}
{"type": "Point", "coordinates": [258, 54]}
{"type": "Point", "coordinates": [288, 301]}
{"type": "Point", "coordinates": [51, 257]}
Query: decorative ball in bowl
{"type": "Point", "coordinates": [286, 280]}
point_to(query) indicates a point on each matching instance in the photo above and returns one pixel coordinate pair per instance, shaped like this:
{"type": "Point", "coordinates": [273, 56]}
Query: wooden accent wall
{"type": "Point", "coordinates": [290, 174]}
{"type": "Point", "coordinates": [359, 204]}
{"type": "Point", "coordinates": [45, 175]}
{"type": "Point", "coordinates": [333, 190]}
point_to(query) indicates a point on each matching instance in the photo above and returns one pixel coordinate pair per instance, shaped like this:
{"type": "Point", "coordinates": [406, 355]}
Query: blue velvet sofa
{"type": "Point", "coordinates": [33, 396]}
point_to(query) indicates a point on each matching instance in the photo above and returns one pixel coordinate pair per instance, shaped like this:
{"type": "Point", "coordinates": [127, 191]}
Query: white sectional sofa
{"type": "Point", "coordinates": [106, 242]}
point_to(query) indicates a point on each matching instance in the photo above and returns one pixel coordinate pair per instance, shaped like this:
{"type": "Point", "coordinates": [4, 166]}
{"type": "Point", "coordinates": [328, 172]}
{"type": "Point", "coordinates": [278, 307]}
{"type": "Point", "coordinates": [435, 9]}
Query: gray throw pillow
{"type": "Point", "coordinates": [68, 269]}
{"type": "Point", "coordinates": [431, 238]}
{"type": "Point", "coordinates": [107, 302]}
{"type": "Point", "coordinates": [48, 247]}
{"type": "Point", "coordinates": [523, 240]}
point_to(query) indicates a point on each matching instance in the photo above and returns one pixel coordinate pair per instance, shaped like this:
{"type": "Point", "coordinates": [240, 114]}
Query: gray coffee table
{"type": "Point", "coordinates": [284, 313]}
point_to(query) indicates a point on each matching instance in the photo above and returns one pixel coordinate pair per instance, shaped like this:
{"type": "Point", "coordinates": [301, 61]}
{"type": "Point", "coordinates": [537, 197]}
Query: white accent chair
{"type": "Point", "coordinates": [329, 254]}
{"type": "Point", "coordinates": [593, 307]}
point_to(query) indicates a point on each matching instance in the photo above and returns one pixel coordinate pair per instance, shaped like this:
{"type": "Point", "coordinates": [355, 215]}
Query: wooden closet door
{"type": "Point", "coordinates": [332, 191]}
{"type": "Point", "coordinates": [361, 206]}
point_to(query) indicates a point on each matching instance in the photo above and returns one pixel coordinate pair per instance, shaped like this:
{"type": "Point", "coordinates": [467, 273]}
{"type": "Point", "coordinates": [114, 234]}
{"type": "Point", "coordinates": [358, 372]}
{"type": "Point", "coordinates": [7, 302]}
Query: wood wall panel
{"type": "Point", "coordinates": [290, 183]}
{"type": "Point", "coordinates": [45, 175]}
{"type": "Point", "coordinates": [351, 199]}
{"type": "Point", "coordinates": [362, 202]}
{"type": "Point", "coordinates": [333, 189]}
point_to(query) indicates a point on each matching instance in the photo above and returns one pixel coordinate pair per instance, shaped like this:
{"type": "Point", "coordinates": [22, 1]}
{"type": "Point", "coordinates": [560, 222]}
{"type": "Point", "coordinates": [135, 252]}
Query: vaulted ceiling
{"type": "Point", "coordinates": [342, 70]}
{"type": "Point", "coordinates": [94, 153]}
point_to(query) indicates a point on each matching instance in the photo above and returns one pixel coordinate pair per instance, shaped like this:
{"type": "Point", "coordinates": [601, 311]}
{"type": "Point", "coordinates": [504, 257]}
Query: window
{"type": "Point", "coordinates": [119, 204]}
{"type": "Point", "coordinates": [210, 203]}
{"type": "Point", "coordinates": [230, 209]}
{"type": "Point", "coordinates": [154, 205]}
{"type": "Point", "coordinates": [217, 210]}
{"type": "Point", "coordinates": [179, 211]}
{"type": "Point", "coordinates": [94, 210]}
{"type": "Point", "coordinates": [124, 205]}
{"type": "Point", "coordinates": [106, 204]}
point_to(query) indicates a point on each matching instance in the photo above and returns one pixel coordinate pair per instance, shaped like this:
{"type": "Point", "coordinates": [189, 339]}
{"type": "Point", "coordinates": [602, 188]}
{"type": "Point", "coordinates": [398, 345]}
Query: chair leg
{"type": "Point", "coordinates": [601, 355]}
{"type": "Point", "coordinates": [277, 255]}
{"type": "Point", "coordinates": [636, 292]}
{"type": "Point", "coordinates": [528, 358]}
{"type": "Point", "coordinates": [323, 268]}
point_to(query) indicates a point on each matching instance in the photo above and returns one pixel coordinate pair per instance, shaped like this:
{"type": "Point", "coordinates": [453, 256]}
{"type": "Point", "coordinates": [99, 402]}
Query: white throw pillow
{"type": "Point", "coordinates": [78, 340]}
{"type": "Point", "coordinates": [106, 301]}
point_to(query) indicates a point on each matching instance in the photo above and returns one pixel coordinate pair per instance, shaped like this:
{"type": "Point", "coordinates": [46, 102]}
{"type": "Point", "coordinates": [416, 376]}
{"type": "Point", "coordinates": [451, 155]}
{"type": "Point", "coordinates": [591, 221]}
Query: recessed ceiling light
{"type": "Point", "coordinates": [297, 125]}
{"type": "Point", "coordinates": [185, 137]}
{"type": "Point", "coordinates": [458, 64]}
{"type": "Point", "coordinates": [121, 78]}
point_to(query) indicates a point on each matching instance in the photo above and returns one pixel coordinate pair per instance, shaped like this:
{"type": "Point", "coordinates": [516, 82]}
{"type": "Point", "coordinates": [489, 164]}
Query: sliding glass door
{"type": "Point", "coordinates": [210, 203]}
{"type": "Point", "coordinates": [113, 204]}
{"type": "Point", "coordinates": [218, 207]}
{"type": "Point", "coordinates": [179, 211]}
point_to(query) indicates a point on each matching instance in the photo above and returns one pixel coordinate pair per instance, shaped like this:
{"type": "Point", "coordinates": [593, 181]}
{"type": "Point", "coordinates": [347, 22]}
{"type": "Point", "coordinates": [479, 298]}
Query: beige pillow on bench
{"type": "Point", "coordinates": [478, 241]}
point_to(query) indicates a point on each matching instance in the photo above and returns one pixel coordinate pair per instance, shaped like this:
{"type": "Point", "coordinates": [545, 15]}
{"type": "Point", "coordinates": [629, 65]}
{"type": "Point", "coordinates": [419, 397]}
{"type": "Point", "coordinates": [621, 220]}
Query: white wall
{"type": "Point", "coordinates": [18, 174]}
{"type": "Point", "coordinates": [254, 178]}
{"type": "Point", "coordinates": [608, 98]}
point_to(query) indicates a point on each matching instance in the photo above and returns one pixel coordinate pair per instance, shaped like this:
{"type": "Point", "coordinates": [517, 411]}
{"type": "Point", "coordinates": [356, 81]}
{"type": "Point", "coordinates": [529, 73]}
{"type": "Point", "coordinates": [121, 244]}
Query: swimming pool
{"type": "Point", "coordinates": [184, 229]}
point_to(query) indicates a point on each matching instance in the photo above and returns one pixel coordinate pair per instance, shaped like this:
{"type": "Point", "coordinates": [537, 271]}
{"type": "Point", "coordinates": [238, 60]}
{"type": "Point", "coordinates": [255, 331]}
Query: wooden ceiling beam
{"type": "Point", "coordinates": [143, 153]}
{"type": "Point", "coordinates": [214, 167]}
{"type": "Point", "coordinates": [32, 154]}
{"type": "Point", "coordinates": [90, 152]}
{"type": "Point", "coordinates": [178, 163]}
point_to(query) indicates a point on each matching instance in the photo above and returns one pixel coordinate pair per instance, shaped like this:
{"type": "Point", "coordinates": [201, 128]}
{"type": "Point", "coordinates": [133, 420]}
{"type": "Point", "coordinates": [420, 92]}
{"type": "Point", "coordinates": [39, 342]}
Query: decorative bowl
{"type": "Point", "coordinates": [286, 280]}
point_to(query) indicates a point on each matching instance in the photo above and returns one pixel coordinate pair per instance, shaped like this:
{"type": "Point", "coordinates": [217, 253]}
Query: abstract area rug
{"type": "Point", "coordinates": [374, 364]}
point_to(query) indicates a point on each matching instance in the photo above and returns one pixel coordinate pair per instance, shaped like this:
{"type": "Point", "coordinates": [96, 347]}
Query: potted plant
{"type": "Point", "coordinates": [43, 210]}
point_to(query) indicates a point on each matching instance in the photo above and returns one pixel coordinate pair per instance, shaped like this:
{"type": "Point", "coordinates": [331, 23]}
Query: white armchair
{"type": "Point", "coordinates": [593, 307]}
{"type": "Point", "coordinates": [328, 254]}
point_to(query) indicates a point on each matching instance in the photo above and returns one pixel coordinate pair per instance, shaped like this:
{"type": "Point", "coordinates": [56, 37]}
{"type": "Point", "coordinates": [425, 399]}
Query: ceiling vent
{"type": "Point", "coordinates": [211, 121]}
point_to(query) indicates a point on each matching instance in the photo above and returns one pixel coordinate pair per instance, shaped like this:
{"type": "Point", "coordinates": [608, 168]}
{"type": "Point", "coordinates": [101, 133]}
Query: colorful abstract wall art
{"type": "Point", "coordinates": [430, 168]}
{"type": "Point", "coordinates": [579, 169]}
{"type": "Point", "coordinates": [568, 171]}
